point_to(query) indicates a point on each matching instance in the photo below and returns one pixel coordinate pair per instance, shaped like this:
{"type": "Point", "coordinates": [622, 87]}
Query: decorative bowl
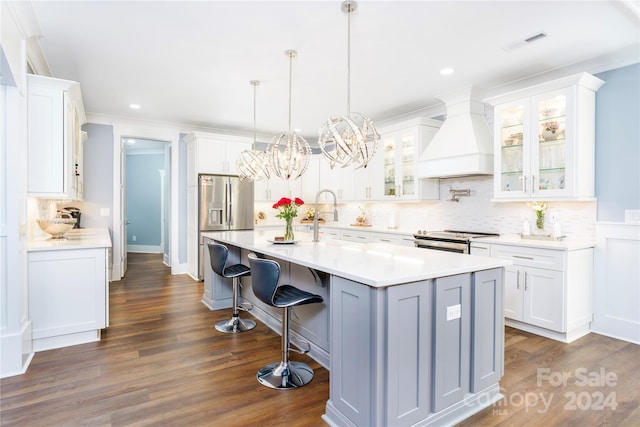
{"type": "Point", "coordinates": [56, 227]}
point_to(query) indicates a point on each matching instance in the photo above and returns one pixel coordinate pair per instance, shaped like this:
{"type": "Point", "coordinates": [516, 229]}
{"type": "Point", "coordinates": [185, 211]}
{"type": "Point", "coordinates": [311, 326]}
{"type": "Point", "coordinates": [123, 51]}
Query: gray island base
{"type": "Point", "coordinates": [411, 337]}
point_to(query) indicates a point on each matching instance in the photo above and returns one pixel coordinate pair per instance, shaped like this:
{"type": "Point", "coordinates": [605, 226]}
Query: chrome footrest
{"type": "Point", "coordinates": [245, 306]}
{"type": "Point", "coordinates": [303, 346]}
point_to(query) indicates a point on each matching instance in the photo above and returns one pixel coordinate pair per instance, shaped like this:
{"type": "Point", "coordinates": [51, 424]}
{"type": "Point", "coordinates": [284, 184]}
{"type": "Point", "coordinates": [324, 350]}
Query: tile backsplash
{"type": "Point", "coordinates": [471, 213]}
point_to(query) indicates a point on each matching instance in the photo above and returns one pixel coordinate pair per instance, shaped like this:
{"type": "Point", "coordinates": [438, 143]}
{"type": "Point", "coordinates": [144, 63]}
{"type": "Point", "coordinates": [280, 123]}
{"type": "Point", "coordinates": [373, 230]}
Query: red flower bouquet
{"type": "Point", "coordinates": [287, 210]}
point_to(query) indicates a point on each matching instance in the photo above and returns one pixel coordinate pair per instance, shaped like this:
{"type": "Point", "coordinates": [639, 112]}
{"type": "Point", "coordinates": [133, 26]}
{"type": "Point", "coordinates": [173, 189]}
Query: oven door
{"type": "Point", "coordinates": [457, 247]}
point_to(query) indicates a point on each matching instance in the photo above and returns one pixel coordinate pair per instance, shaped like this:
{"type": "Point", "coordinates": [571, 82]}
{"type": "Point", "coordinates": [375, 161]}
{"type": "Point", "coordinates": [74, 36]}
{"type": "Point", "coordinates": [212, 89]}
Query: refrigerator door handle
{"type": "Point", "coordinates": [229, 205]}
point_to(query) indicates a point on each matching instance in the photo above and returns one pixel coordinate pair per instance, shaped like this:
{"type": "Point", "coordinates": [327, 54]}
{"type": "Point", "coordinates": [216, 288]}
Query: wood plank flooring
{"type": "Point", "coordinates": [161, 363]}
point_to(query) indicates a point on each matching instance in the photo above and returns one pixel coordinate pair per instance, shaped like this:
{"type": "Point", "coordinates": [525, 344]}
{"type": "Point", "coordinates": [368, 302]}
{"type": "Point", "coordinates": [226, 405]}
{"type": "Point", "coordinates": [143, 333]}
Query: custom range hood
{"type": "Point", "coordinates": [464, 144]}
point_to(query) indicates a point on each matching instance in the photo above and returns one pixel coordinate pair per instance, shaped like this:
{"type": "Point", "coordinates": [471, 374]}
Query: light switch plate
{"type": "Point", "coordinates": [453, 312]}
{"type": "Point", "coordinates": [105, 212]}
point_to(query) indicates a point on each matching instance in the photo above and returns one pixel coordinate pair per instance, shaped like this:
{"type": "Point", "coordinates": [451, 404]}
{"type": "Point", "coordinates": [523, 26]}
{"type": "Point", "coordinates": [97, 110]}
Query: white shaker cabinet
{"type": "Point", "coordinates": [548, 291]}
{"type": "Point", "coordinates": [272, 189]}
{"type": "Point", "coordinates": [544, 140]}
{"type": "Point", "coordinates": [401, 147]}
{"type": "Point", "coordinates": [55, 138]}
{"type": "Point", "coordinates": [213, 154]}
{"type": "Point", "coordinates": [68, 296]}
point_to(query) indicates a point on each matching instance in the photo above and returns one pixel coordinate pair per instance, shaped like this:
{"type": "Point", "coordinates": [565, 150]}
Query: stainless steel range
{"type": "Point", "coordinates": [448, 240]}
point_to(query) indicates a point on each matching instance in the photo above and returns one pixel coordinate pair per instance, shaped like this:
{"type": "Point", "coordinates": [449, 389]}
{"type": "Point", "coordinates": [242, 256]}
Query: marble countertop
{"type": "Point", "coordinates": [374, 264]}
{"type": "Point", "coordinates": [78, 238]}
{"type": "Point", "coordinates": [566, 244]}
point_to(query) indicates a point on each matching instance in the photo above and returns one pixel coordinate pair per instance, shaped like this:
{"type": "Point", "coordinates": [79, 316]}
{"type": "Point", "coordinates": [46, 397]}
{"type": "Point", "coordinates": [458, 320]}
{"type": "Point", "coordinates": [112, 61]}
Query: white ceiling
{"type": "Point", "coordinates": [190, 63]}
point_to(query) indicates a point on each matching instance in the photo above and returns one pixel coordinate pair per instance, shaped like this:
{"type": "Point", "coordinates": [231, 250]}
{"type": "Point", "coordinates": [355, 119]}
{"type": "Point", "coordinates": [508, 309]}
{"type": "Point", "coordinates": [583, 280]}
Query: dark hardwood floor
{"type": "Point", "coordinates": [162, 363]}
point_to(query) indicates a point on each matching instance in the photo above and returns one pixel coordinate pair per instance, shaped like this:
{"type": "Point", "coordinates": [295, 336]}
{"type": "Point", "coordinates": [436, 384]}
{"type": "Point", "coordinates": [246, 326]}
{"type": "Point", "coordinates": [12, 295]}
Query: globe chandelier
{"type": "Point", "coordinates": [253, 164]}
{"type": "Point", "coordinates": [352, 138]}
{"type": "Point", "coordinates": [288, 152]}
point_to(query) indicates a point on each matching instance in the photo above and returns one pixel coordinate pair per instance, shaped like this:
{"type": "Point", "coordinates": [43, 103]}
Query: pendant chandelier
{"type": "Point", "coordinates": [288, 152]}
{"type": "Point", "coordinates": [253, 164]}
{"type": "Point", "coordinates": [353, 138]}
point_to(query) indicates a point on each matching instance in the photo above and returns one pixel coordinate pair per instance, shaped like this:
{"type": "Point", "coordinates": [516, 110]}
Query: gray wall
{"type": "Point", "coordinates": [143, 192]}
{"type": "Point", "coordinates": [98, 176]}
{"type": "Point", "coordinates": [618, 143]}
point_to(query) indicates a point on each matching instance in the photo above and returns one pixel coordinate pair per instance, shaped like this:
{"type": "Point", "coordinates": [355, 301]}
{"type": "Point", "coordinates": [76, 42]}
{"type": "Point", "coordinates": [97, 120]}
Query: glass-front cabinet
{"type": "Point", "coordinates": [401, 150]}
{"type": "Point", "coordinates": [544, 142]}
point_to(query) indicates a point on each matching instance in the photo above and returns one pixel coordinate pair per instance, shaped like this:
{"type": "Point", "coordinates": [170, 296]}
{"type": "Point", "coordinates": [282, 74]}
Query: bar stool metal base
{"type": "Point", "coordinates": [235, 325]}
{"type": "Point", "coordinates": [285, 376]}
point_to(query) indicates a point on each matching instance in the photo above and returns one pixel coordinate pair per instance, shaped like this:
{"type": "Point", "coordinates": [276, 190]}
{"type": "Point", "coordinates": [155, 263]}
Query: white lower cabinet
{"type": "Point", "coordinates": [548, 291]}
{"type": "Point", "coordinates": [68, 296]}
{"type": "Point", "coordinates": [365, 236]}
{"type": "Point", "coordinates": [392, 238]}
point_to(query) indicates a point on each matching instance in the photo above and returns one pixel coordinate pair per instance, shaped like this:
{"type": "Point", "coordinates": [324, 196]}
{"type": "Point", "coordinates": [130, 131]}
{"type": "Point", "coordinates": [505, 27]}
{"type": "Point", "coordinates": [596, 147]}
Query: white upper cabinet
{"type": "Point", "coordinates": [340, 180]}
{"type": "Point", "coordinates": [213, 154]}
{"type": "Point", "coordinates": [401, 147]}
{"type": "Point", "coordinates": [545, 140]}
{"type": "Point", "coordinates": [305, 187]}
{"type": "Point", "coordinates": [55, 118]}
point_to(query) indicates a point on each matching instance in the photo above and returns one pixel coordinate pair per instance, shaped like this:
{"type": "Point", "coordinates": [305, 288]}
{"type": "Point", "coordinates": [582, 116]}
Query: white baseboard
{"type": "Point", "coordinates": [145, 249]}
{"type": "Point", "coordinates": [16, 352]}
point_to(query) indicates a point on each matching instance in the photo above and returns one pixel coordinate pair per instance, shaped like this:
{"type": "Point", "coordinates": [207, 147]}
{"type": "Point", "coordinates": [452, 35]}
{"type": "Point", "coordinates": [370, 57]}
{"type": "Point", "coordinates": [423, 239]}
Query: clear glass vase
{"type": "Point", "coordinates": [288, 229]}
{"type": "Point", "coordinates": [540, 220]}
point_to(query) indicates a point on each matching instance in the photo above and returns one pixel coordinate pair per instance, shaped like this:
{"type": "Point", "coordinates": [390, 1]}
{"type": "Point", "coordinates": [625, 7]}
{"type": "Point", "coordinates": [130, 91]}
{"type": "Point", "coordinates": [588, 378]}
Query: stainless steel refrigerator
{"type": "Point", "coordinates": [224, 203]}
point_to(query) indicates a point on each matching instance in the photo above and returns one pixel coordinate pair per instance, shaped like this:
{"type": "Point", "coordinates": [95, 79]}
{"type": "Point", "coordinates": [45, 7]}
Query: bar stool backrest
{"type": "Point", "coordinates": [265, 274]}
{"type": "Point", "coordinates": [218, 254]}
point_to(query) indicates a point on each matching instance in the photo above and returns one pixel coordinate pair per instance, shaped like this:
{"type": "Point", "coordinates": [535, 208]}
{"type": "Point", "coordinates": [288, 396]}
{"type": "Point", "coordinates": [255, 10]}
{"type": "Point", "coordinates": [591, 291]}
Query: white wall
{"type": "Point", "coordinates": [15, 328]}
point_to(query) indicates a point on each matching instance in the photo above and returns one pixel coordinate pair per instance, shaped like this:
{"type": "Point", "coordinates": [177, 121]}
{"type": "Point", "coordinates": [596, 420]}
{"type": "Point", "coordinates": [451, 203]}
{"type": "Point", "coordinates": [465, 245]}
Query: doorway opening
{"type": "Point", "coordinates": [145, 197]}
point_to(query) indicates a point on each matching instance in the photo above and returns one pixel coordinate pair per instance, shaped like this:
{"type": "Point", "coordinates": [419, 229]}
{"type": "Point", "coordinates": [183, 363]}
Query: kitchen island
{"type": "Point", "coordinates": [410, 336]}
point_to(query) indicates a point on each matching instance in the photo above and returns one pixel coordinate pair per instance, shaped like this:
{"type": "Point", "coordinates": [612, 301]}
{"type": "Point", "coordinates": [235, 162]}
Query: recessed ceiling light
{"type": "Point", "coordinates": [446, 71]}
{"type": "Point", "coordinates": [134, 106]}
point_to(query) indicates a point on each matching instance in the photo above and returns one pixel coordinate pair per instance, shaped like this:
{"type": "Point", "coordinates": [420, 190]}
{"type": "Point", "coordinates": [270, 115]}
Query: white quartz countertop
{"type": "Point", "coordinates": [566, 244]}
{"type": "Point", "coordinates": [78, 238]}
{"type": "Point", "coordinates": [374, 264]}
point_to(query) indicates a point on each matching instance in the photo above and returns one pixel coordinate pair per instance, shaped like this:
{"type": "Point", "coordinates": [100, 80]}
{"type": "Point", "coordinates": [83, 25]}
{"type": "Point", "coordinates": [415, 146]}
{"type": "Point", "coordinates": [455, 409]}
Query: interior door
{"type": "Point", "coordinates": [123, 209]}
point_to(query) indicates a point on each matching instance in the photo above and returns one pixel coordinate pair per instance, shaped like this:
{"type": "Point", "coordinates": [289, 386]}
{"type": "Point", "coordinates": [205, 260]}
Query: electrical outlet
{"type": "Point", "coordinates": [632, 216]}
{"type": "Point", "coordinates": [105, 212]}
{"type": "Point", "coordinates": [453, 312]}
{"type": "Point", "coordinates": [133, 238]}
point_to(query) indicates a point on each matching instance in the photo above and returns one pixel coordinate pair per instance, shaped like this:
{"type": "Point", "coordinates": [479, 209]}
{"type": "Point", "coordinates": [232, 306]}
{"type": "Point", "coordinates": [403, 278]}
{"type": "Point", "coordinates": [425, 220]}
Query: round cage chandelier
{"type": "Point", "coordinates": [288, 152]}
{"type": "Point", "coordinates": [253, 164]}
{"type": "Point", "coordinates": [352, 138]}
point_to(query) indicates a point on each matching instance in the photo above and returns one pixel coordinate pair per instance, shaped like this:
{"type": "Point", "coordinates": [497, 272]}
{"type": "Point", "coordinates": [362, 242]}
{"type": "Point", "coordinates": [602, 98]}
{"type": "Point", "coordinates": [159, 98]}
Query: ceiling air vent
{"type": "Point", "coordinates": [526, 41]}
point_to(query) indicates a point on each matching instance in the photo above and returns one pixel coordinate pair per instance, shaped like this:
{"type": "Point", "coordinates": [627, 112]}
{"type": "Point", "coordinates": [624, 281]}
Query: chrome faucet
{"type": "Point", "coordinates": [316, 214]}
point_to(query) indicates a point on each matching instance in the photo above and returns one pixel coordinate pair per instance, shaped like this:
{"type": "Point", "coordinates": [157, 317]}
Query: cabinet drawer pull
{"type": "Point", "coordinates": [524, 185]}
{"type": "Point", "coordinates": [525, 280]}
{"type": "Point", "coordinates": [518, 280]}
{"type": "Point", "coordinates": [522, 257]}
{"type": "Point", "coordinates": [385, 240]}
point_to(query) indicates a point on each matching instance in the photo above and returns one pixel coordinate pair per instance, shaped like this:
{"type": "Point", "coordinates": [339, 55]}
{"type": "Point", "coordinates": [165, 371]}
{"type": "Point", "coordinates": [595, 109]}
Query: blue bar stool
{"type": "Point", "coordinates": [285, 374]}
{"type": "Point", "coordinates": [218, 255]}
